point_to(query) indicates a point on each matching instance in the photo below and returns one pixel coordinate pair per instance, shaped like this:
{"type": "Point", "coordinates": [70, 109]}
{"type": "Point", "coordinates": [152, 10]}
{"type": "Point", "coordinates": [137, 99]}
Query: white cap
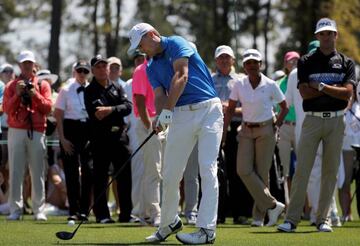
{"type": "Point", "coordinates": [114, 60]}
{"type": "Point", "coordinates": [278, 74]}
{"type": "Point", "coordinates": [4, 66]}
{"type": "Point", "coordinates": [325, 24]}
{"type": "Point", "coordinates": [26, 55]}
{"type": "Point", "coordinates": [224, 49]}
{"type": "Point", "coordinates": [135, 35]}
{"type": "Point", "coordinates": [251, 54]}
{"type": "Point", "coordinates": [46, 74]}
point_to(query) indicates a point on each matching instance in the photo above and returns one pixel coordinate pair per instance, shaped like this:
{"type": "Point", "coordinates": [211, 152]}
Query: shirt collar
{"type": "Point", "coordinates": [232, 74]}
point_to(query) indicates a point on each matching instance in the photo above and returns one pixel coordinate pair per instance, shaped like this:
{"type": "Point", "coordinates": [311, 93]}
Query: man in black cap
{"type": "Point", "coordinates": [107, 105]}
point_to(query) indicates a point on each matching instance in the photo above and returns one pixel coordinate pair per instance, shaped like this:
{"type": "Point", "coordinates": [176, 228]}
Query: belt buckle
{"type": "Point", "coordinates": [326, 114]}
{"type": "Point", "coordinates": [115, 129]}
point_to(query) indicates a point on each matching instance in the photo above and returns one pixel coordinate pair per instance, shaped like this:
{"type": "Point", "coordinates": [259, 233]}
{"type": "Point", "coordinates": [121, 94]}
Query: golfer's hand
{"type": "Point", "coordinates": [102, 112]}
{"type": "Point", "coordinates": [164, 120]}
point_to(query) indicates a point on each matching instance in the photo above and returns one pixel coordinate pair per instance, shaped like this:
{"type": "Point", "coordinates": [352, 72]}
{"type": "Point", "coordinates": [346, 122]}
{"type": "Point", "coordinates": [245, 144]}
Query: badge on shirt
{"type": "Point", "coordinates": [337, 66]}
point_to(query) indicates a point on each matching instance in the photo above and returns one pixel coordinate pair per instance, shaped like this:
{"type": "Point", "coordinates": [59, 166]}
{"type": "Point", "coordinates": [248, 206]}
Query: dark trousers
{"type": "Point", "coordinates": [111, 149]}
{"type": "Point", "coordinates": [78, 187]}
{"type": "Point", "coordinates": [240, 200]}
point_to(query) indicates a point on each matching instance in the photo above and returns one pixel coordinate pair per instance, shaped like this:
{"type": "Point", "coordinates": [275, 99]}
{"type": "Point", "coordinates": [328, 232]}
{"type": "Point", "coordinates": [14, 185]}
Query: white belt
{"type": "Point", "coordinates": [196, 106]}
{"type": "Point", "coordinates": [327, 114]}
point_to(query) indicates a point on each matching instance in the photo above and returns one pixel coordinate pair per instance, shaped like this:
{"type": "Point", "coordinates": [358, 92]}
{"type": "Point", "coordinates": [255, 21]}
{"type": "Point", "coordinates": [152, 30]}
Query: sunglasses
{"type": "Point", "coordinates": [8, 71]}
{"type": "Point", "coordinates": [82, 70]}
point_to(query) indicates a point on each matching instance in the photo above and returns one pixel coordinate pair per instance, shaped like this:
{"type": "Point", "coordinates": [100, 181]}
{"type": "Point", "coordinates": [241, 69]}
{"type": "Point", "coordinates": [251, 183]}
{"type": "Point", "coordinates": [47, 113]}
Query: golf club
{"type": "Point", "coordinates": [64, 235]}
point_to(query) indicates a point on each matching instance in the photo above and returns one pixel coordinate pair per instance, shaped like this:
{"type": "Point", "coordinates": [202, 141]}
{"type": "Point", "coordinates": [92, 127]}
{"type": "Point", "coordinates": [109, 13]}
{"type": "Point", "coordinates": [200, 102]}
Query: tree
{"type": "Point", "coordinates": [54, 48]}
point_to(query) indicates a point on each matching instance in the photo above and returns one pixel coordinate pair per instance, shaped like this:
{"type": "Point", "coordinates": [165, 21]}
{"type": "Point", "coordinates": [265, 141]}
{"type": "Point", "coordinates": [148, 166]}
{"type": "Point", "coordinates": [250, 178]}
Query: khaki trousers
{"type": "Point", "coordinates": [330, 132]}
{"type": "Point", "coordinates": [254, 158]}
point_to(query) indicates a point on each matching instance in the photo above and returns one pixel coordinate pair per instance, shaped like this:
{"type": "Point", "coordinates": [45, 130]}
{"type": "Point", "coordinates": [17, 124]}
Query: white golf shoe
{"type": "Point", "coordinates": [164, 232]}
{"type": "Point", "coordinates": [275, 213]}
{"type": "Point", "coordinates": [202, 236]}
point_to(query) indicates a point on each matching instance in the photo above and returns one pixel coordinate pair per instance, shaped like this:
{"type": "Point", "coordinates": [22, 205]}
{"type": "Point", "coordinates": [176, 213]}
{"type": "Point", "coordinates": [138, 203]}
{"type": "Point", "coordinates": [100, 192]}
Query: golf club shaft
{"type": "Point", "coordinates": [114, 177]}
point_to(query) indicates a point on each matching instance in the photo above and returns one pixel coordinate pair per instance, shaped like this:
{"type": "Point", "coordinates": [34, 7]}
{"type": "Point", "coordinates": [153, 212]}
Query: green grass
{"type": "Point", "coordinates": [29, 232]}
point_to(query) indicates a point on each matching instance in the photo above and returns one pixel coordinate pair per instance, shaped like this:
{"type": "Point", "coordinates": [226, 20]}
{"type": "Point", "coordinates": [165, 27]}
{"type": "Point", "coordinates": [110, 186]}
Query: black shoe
{"type": "Point", "coordinates": [220, 221]}
{"type": "Point", "coordinates": [241, 221]}
{"type": "Point", "coordinates": [82, 217]}
{"type": "Point", "coordinates": [72, 217]}
{"type": "Point", "coordinates": [124, 218]}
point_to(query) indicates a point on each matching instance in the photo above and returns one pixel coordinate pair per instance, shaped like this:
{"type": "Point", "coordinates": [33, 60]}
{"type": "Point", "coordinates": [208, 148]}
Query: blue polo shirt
{"type": "Point", "coordinates": [200, 86]}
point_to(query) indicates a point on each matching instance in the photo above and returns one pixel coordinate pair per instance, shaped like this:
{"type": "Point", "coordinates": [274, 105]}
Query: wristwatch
{"type": "Point", "coordinates": [321, 86]}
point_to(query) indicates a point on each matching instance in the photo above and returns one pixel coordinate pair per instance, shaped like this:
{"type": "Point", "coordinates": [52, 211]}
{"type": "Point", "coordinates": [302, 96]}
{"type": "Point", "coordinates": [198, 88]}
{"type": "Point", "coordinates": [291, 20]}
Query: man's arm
{"type": "Point", "coordinates": [308, 92]}
{"type": "Point", "coordinates": [143, 113]}
{"type": "Point", "coordinates": [338, 91]}
{"type": "Point", "coordinates": [178, 82]}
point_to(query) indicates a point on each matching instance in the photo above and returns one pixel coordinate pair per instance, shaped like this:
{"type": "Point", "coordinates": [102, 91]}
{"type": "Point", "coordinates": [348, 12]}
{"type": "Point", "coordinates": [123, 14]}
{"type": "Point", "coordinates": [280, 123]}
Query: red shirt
{"type": "Point", "coordinates": [18, 113]}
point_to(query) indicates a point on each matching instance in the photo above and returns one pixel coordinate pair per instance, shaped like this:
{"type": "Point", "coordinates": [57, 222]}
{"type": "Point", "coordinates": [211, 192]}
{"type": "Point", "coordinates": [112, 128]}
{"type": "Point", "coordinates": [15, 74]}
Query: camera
{"type": "Point", "coordinates": [26, 97]}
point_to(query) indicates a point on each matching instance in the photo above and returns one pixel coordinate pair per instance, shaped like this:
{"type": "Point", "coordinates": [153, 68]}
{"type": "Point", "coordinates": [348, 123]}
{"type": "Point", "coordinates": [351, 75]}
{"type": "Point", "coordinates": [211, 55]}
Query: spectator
{"type": "Point", "coordinates": [224, 80]}
{"type": "Point", "coordinates": [106, 105]}
{"type": "Point", "coordinates": [72, 127]}
{"type": "Point", "coordinates": [27, 103]}
{"type": "Point", "coordinates": [286, 142]}
{"type": "Point", "coordinates": [144, 109]}
{"type": "Point", "coordinates": [257, 95]}
{"type": "Point", "coordinates": [6, 74]}
{"type": "Point", "coordinates": [137, 166]}
{"type": "Point", "coordinates": [326, 81]}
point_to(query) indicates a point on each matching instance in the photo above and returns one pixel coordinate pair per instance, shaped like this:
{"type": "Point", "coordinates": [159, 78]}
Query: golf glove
{"type": "Point", "coordinates": [164, 119]}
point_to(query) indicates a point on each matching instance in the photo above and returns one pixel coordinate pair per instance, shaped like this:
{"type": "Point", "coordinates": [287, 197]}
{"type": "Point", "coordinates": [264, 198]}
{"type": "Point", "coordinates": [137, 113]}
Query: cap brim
{"type": "Point", "coordinates": [251, 58]}
{"type": "Point", "coordinates": [104, 61]}
{"type": "Point", "coordinates": [27, 59]}
{"type": "Point", "coordinates": [325, 28]}
{"type": "Point", "coordinates": [52, 77]}
{"type": "Point", "coordinates": [84, 67]}
{"type": "Point", "coordinates": [224, 52]}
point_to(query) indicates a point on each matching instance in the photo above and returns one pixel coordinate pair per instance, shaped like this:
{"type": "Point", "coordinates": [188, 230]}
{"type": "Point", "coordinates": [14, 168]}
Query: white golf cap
{"type": "Point", "coordinates": [251, 54]}
{"type": "Point", "coordinates": [46, 74]}
{"type": "Point", "coordinates": [114, 60]}
{"type": "Point", "coordinates": [26, 55]}
{"type": "Point", "coordinates": [135, 35]}
{"type": "Point", "coordinates": [325, 24]}
{"type": "Point", "coordinates": [224, 49]}
{"type": "Point", "coordinates": [5, 66]}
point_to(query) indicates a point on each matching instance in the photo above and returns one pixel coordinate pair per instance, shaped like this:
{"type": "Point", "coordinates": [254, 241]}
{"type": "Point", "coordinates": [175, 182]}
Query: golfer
{"type": "Point", "coordinates": [186, 99]}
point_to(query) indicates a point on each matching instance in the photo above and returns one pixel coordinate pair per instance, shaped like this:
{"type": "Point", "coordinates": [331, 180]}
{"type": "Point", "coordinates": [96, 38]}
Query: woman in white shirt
{"type": "Point", "coordinates": [257, 94]}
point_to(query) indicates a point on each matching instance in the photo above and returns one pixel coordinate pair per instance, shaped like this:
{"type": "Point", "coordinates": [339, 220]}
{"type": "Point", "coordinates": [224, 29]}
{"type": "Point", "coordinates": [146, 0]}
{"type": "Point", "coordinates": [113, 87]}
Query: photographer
{"type": "Point", "coordinates": [27, 102]}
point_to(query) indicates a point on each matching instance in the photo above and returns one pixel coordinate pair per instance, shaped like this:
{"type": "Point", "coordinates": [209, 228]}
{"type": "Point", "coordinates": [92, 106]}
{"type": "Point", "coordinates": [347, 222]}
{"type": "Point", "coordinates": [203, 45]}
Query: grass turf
{"type": "Point", "coordinates": [29, 232]}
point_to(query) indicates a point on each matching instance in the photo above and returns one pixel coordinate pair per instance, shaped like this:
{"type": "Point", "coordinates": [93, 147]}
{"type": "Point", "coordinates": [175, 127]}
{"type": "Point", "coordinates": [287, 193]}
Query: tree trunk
{"type": "Point", "coordinates": [255, 33]}
{"type": "Point", "coordinates": [266, 29]}
{"type": "Point", "coordinates": [107, 28]}
{"type": "Point", "coordinates": [96, 32]}
{"type": "Point", "coordinates": [115, 41]}
{"type": "Point", "coordinates": [54, 56]}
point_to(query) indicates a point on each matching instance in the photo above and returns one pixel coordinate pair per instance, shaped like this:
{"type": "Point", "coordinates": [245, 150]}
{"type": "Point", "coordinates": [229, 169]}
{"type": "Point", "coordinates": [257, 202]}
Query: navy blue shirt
{"type": "Point", "coordinates": [200, 86]}
{"type": "Point", "coordinates": [331, 69]}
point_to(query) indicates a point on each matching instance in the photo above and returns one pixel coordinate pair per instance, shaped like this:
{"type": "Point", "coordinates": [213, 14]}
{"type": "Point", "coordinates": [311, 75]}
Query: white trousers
{"type": "Point", "coordinates": [191, 183]}
{"type": "Point", "coordinates": [151, 178]}
{"type": "Point", "coordinates": [23, 151]}
{"type": "Point", "coordinates": [137, 169]}
{"type": "Point", "coordinates": [202, 123]}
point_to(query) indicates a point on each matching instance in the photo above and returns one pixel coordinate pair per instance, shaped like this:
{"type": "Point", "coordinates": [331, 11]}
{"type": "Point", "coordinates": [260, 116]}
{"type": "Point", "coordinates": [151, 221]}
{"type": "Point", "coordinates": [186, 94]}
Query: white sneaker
{"type": "Point", "coordinates": [40, 217]}
{"type": "Point", "coordinates": [324, 227]}
{"type": "Point", "coordinates": [257, 223]}
{"type": "Point", "coordinates": [335, 222]}
{"type": "Point", "coordinates": [162, 233]}
{"type": "Point", "coordinates": [14, 216]}
{"type": "Point", "coordinates": [191, 219]}
{"type": "Point", "coordinates": [275, 213]}
{"type": "Point", "coordinates": [286, 227]}
{"type": "Point", "coordinates": [156, 222]}
{"type": "Point", "coordinates": [202, 236]}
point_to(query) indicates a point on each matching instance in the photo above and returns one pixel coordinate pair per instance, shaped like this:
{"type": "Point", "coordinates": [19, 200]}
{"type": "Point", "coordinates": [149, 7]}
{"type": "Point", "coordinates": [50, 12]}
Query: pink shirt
{"type": "Point", "coordinates": [142, 86]}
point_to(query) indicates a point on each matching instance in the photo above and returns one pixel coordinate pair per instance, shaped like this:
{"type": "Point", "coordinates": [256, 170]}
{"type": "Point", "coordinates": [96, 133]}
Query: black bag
{"type": "Point", "coordinates": [50, 125]}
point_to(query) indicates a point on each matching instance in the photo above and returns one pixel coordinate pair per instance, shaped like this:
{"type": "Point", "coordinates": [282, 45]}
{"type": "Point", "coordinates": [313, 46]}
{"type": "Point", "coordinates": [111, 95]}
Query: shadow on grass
{"type": "Point", "coordinates": [279, 232]}
{"type": "Point", "coordinates": [134, 243]}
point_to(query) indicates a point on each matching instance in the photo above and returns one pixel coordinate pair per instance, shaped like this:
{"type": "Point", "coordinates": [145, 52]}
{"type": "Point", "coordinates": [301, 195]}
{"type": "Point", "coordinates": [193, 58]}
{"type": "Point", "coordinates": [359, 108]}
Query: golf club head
{"type": "Point", "coordinates": [64, 235]}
